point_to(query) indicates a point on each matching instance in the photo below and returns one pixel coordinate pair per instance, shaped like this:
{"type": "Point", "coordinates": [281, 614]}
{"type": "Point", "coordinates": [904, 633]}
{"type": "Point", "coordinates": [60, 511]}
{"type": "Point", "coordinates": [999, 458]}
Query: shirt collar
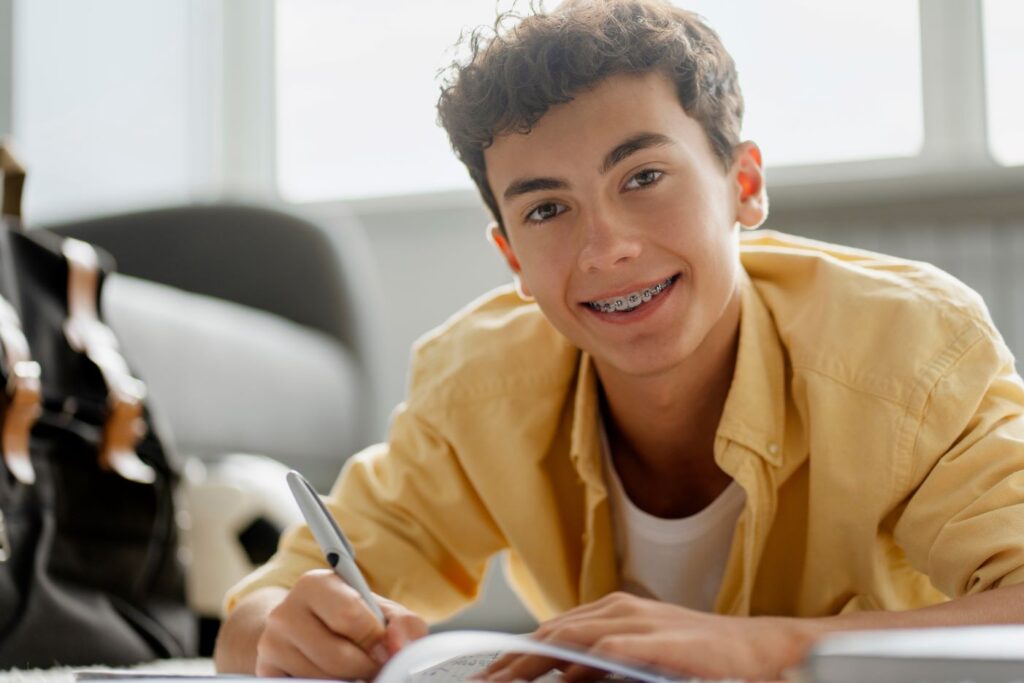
{"type": "Point", "coordinates": [583, 442]}
{"type": "Point", "coordinates": [754, 413]}
{"type": "Point", "coordinates": [755, 408]}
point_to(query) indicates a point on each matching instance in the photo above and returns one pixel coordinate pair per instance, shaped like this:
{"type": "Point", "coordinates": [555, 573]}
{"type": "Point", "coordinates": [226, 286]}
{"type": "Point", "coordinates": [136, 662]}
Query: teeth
{"type": "Point", "coordinates": [631, 300]}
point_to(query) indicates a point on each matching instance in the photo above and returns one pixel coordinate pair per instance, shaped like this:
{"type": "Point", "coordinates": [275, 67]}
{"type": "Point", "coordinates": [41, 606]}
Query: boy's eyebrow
{"type": "Point", "coordinates": [631, 145]}
{"type": "Point", "coordinates": [528, 185]}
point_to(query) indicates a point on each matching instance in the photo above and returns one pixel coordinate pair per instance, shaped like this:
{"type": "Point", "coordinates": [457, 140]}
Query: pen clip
{"type": "Point", "coordinates": [314, 509]}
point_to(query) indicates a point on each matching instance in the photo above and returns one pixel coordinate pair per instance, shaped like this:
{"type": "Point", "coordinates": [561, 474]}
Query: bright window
{"type": "Point", "coordinates": [102, 111]}
{"type": "Point", "coordinates": [357, 90]}
{"type": "Point", "coordinates": [825, 81]}
{"type": "Point", "coordinates": [357, 87]}
{"type": "Point", "coordinates": [1004, 70]}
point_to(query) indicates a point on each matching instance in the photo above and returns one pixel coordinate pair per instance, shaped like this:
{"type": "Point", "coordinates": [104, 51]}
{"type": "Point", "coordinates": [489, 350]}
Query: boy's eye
{"type": "Point", "coordinates": [648, 176]}
{"type": "Point", "coordinates": [545, 212]}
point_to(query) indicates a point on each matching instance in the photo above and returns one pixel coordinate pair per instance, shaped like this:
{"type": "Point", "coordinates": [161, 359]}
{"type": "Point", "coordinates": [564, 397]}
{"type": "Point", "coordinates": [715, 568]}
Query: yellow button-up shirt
{"type": "Point", "coordinates": [875, 421]}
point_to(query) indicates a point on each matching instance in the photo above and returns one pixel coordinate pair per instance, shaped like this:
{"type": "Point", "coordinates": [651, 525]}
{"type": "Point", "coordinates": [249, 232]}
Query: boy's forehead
{"type": "Point", "coordinates": [591, 124]}
{"type": "Point", "coordinates": [601, 105]}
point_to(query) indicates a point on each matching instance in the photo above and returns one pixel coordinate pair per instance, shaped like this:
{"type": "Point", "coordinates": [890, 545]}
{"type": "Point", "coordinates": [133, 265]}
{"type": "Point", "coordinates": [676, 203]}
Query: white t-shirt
{"type": "Point", "coordinates": [680, 561]}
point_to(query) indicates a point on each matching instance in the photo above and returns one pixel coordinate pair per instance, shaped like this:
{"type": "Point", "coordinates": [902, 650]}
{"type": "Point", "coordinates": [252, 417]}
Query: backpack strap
{"type": "Point", "coordinates": [14, 181]}
{"type": "Point", "coordinates": [87, 334]}
{"type": "Point", "coordinates": [22, 396]}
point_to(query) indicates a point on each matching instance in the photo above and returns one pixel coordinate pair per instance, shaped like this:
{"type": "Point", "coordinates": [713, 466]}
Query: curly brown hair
{"type": "Point", "coordinates": [515, 73]}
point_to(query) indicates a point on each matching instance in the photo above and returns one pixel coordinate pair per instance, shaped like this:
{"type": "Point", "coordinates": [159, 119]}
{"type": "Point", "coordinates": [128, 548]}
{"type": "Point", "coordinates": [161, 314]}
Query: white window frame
{"type": "Point", "coordinates": [249, 126]}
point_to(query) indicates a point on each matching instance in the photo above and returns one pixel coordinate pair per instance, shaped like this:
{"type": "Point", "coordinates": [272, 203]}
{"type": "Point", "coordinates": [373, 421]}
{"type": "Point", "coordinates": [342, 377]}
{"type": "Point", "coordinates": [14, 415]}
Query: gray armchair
{"type": "Point", "coordinates": [255, 330]}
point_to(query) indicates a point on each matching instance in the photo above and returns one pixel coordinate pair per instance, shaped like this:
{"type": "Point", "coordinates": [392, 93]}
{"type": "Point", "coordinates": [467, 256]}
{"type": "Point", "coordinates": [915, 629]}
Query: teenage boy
{"type": "Point", "coordinates": [756, 441]}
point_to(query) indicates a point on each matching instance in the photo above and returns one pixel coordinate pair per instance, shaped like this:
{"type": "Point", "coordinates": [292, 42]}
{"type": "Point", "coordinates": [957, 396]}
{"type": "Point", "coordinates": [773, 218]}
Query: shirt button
{"type": "Point", "coordinates": [773, 448]}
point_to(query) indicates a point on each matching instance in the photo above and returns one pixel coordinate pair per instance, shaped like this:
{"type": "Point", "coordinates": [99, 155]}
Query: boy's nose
{"type": "Point", "coordinates": [606, 243]}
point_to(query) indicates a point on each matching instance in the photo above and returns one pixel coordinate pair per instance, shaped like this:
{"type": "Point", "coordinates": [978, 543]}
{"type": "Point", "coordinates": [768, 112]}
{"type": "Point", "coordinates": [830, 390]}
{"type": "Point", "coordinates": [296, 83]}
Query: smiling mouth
{"type": "Point", "coordinates": [633, 300]}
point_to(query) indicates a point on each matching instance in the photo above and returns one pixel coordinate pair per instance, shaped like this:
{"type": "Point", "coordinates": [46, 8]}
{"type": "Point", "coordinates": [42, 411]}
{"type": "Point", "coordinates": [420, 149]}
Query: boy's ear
{"type": "Point", "coordinates": [751, 197]}
{"type": "Point", "coordinates": [498, 239]}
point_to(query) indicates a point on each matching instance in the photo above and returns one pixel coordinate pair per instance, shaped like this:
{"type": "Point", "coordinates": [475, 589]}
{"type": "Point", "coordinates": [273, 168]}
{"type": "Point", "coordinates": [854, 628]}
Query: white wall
{"type": "Point", "coordinates": [432, 263]}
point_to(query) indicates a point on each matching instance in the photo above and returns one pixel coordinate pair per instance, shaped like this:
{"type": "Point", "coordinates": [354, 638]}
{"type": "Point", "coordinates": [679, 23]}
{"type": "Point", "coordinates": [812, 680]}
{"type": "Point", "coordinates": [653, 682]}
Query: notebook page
{"type": "Point", "coordinates": [457, 655]}
{"type": "Point", "coordinates": [463, 668]}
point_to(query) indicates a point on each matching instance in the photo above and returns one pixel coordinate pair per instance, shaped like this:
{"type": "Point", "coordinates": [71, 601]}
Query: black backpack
{"type": "Point", "coordinates": [89, 565]}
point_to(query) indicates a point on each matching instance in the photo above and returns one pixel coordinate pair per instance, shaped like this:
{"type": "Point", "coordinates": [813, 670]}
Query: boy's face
{"type": "Point", "coordinates": [616, 200]}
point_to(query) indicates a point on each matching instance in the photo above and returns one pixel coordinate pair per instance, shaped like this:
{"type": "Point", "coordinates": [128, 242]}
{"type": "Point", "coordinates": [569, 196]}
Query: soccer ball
{"type": "Point", "coordinates": [236, 508]}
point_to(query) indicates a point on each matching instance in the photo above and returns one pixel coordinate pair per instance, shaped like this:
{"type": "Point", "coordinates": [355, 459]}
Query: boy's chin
{"type": "Point", "coordinates": [646, 363]}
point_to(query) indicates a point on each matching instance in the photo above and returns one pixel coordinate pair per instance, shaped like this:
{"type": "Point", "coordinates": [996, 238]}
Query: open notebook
{"type": "Point", "coordinates": [458, 655]}
{"type": "Point", "coordinates": [449, 657]}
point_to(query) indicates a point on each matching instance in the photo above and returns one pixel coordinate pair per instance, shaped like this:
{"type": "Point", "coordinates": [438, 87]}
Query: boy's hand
{"type": "Point", "coordinates": [323, 629]}
{"type": "Point", "coordinates": [663, 636]}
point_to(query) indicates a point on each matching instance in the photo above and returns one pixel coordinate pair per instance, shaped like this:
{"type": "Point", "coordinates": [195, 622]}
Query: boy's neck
{"type": "Point", "coordinates": [663, 427]}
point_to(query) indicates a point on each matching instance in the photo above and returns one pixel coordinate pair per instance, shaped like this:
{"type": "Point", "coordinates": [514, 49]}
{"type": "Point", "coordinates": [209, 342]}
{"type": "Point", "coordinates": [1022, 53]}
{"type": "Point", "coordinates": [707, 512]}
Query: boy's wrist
{"type": "Point", "coordinates": [862, 621]}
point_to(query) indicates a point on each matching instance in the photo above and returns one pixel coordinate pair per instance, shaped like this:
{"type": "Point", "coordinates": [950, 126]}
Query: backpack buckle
{"type": "Point", "coordinates": [23, 396]}
{"type": "Point", "coordinates": [88, 334]}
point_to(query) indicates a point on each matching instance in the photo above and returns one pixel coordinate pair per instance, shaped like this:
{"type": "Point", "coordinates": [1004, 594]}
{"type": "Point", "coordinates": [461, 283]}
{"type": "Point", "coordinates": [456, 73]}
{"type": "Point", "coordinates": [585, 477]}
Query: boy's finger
{"type": "Point", "coordinates": [344, 612]}
{"type": "Point", "coordinates": [577, 673]}
{"type": "Point", "coordinates": [342, 659]}
{"type": "Point", "coordinates": [403, 628]}
{"type": "Point", "coordinates": [287, 661]}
